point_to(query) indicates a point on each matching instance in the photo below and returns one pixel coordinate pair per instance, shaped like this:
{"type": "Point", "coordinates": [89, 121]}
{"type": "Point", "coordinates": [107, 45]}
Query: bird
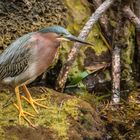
{"type": "Point", "coordinates": [27, 58]}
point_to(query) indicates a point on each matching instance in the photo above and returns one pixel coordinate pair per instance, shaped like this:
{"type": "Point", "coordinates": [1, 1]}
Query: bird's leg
{"type": "Point", "coordinates": [30, 100]}
{"type": "Point", "coordinates": [19, 107]}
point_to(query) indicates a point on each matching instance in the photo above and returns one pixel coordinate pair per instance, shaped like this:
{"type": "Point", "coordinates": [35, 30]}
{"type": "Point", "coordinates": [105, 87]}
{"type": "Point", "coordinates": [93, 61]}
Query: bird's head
{"type": "Point", "coordinates": [63, 34]}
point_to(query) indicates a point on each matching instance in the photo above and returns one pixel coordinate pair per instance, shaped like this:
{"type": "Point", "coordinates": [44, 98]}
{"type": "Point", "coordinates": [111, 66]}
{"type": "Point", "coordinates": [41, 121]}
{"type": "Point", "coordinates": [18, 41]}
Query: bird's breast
{"type": "Point", "coordinates": [43, 55]}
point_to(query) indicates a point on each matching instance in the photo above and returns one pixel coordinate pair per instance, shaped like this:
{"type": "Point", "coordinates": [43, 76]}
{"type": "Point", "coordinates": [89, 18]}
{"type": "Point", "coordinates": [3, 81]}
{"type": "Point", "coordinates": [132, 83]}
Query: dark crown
{"type": "Point", "coordinates": [55, 29]}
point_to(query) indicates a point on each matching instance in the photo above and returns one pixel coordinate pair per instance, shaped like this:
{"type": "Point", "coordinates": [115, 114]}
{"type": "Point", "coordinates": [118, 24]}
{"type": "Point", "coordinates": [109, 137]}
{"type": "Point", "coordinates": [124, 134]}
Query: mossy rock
{"type": "Point", "coordinates": [67, 117]}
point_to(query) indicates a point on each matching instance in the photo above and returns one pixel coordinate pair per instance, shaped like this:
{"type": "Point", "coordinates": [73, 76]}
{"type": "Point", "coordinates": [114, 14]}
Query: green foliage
{"type": "Point", "coordinates": [78, 77]}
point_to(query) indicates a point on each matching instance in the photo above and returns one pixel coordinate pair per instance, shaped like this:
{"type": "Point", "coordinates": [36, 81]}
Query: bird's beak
{"type": "Point", "coordinates": [76, 39]}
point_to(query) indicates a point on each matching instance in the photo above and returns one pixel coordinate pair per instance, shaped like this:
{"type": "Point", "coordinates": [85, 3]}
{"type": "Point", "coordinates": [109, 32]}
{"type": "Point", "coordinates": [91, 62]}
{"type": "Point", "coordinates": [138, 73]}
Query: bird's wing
{"type": "Point", "coordinates": [14, 60]}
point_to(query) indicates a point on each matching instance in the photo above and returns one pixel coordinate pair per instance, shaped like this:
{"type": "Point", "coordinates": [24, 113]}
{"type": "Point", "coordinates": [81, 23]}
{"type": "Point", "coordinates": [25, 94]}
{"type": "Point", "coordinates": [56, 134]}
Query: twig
{"type": "Point", "coordinates": [75, 49]}
{"type": "Point", "coordinates": [9, 101]}
{"type": "Point", "coordinates": [104, 23]}
{"type": "Point", "coordinates": [135, 19]}
{"type": "Point", "coordinates": [116, 68]}
{"type": "Point", "coordinates": [131, 16]}
{"type": "Point", "coordinates": [116, 75]}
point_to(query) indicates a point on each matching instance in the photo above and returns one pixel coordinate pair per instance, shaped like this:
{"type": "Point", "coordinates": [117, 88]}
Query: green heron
{"type": "Point", "coordinates": [27, 58]}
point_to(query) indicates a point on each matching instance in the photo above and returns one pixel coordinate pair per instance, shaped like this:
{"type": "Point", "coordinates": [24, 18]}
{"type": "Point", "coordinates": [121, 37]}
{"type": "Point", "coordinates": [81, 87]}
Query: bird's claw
{"type": "Point", "coordinates": [34, 102]}
{"type": "Point", "coordinates": [22, 114]}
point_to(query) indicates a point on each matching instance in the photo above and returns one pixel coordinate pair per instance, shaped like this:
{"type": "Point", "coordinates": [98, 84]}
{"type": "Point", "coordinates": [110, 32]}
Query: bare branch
{"type": "Point", "coordinates": [75, 49]}
{"type": "Point", "coordinates": [137, 8]}
{"type": "Point", "coordinates": [135, 19]}
{"type": "Point", "coordinates": [104, 23]}
{"type": "Point", "coordinates": [116, 75]}
{"type": "Point", "coordinates": [131, 16]}
{"type": "Point", "coordinates": [117, 45]}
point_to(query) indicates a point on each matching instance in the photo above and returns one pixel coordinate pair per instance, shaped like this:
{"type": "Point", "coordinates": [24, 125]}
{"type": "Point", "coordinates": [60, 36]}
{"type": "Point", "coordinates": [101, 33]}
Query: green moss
{"type": "Point", "coordinates": [79, 12]}
{"type": "Point", "coordinates": [70, 108]}
{"type": "Point", "coordinates": [95, 37]}
{"type": "Point", "coordinates": [1, 133]}
{"type": "Point", "coordinates": [127, 53]}
{"type": "Point", "coordinates": [113, 23]}
{"type": "Point", "coordinates": [55, 117]}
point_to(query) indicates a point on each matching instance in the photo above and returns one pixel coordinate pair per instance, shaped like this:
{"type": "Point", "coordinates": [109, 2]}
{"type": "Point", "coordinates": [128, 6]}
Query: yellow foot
{"type": "Point", "coordinates": [34, 102]}
{"type": "Point", "coordinates": [22, 114]}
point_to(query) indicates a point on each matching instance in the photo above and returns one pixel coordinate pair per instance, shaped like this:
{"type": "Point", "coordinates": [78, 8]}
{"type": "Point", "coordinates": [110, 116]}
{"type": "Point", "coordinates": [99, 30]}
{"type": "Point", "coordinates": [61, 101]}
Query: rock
{"type": "Point", "coordinates": [67, 117]}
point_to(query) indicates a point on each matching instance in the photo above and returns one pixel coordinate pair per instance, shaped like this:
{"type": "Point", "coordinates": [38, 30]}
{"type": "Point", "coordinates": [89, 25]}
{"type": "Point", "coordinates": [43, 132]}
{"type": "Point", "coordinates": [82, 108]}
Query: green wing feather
{"type": "Point", "coordinates": [14, 60]}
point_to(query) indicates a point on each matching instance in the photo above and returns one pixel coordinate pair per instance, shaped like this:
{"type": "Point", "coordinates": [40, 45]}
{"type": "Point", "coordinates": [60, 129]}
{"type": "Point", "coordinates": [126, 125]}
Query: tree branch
{"type": "Point", "coordinates": [136, 21]}
{"type": "Point", "coordinates": [131, 16]}
{"type": "Point", "coordinates": [104, 23]}
{"type": "Point", "coordinates": [75, 49]}
{"type": "Point", "coordinates": [117, 45]}
{"type": "Point", "coordinates": [116, 69]}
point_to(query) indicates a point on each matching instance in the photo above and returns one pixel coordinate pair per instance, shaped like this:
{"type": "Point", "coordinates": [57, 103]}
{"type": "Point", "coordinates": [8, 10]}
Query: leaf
{"type": "Point", "coordinates": [96, 67]}
{"type": "Point", "coordinates": [80, 77]}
